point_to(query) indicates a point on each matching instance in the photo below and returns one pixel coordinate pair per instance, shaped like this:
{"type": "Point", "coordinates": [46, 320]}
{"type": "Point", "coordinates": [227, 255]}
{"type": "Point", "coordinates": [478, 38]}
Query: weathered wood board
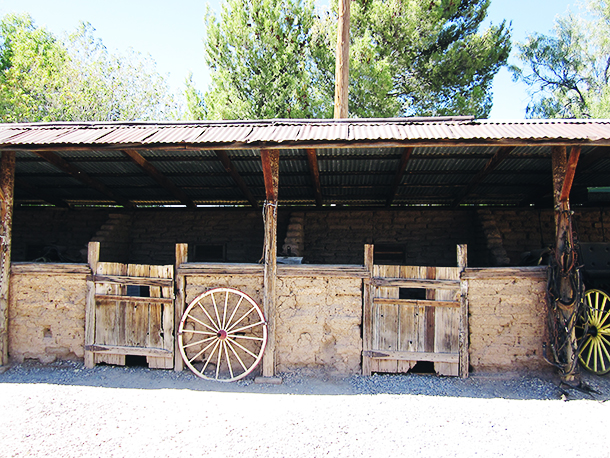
{"type": "Point", "coordinates": [133, 324]}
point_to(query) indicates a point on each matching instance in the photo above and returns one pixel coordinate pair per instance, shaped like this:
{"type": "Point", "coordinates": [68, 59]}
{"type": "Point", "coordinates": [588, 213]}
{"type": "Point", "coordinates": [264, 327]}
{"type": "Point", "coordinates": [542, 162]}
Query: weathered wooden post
{"type": "Point", "coordinates": [7, 181]}
{"type": "Point", "coordinates": [563, 176]}
{"type": "Point", "coordinates": [367, 310]}
{"type": "Point", "coordinates": [342, 61]}
{"type": "Point", "coordinates": [179, 301]}
{"type": "Point", "coordinates": [93, 257]}
{"type": "Point", "coordinates": [462, 257]}
{"type": "Point", "coordinates": [270, 162]}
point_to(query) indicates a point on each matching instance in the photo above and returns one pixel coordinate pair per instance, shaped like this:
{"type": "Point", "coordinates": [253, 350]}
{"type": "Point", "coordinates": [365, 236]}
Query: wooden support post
{"type": "Point", "coordinates": [270, 161]}
{"type": "Point", "coordinates": [7, 184]}
{"type": "Point", "coordinates": [464, 335]}
{"type": "Point", "coordinates": [367, 311]}
{"type": "Point", "coordinates": [93, 257]}
{"type": "Point", "coordinates": [342, 61]}
{"type": "Point", "coordinates": [179, 302]}
{"type": "Point", "coordinates": [561, 192]}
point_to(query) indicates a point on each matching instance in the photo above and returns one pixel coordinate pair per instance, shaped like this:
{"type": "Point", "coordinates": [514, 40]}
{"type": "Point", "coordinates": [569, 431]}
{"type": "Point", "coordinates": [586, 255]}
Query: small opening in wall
{"type": "Point", "coordinates": [412, 293]}
{"type": "Point", "coordinates": [46, 333]}
{"type": "Point", "coordinates": [135, 361]}
{"type": "Point", "coordinates": [423, 367]}
{"type": "Point", "coordinates": [138, 291]}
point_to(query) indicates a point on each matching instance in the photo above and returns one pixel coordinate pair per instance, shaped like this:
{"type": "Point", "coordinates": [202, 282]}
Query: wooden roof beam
{"type": "Point", "coordinates": [163, 181]}
{"type": "Point", "coordinates": [63, 165]}
{"type": "Point", "coordinates": [39, 194]}
{"type": "Point", "coordinates": [406, 155]}
{"type": "Point", "coordinates": [502, 153]}
{"type": "Point", "coordinates": [237, 178]}
{"type": "Point", "coordinates": [570, 172]}
{"type": "Point", "coordinates": [314, 170]}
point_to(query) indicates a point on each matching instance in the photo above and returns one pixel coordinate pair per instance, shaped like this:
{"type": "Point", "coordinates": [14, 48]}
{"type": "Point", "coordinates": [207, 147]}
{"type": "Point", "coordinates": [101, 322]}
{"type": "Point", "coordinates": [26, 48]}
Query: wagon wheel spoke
{"type": "Point", "coordinates": [213, 356]}
{"type": "Point", "coordinates": [593, 333]}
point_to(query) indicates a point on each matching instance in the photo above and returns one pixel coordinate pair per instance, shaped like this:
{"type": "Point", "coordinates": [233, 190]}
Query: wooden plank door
{"type": "Point", "coordinates": [132, 314]}
{"type": "Point", "coordinates": [400, 330]}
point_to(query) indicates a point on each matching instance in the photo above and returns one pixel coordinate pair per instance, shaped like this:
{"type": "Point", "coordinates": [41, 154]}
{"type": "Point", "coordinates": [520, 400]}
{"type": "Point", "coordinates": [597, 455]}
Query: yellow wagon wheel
{"type": "Point", "coordinates": [222, 335]}
{"type": "Point", "coordinates": [594, 333]}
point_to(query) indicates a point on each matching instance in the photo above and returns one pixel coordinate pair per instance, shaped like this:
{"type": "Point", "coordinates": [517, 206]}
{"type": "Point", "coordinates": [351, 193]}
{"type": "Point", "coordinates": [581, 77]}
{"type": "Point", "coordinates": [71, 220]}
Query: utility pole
{"type": "Point", "coordinates": [342, 57]}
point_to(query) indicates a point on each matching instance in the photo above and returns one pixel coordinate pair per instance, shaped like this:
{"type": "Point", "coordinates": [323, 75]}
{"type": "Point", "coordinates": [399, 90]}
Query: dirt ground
{"type": "Point", "coordinates": [64, 410]}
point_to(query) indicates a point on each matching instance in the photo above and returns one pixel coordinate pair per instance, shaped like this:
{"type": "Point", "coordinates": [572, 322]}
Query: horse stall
{"type": "Point", "coordinates": [261, 247]}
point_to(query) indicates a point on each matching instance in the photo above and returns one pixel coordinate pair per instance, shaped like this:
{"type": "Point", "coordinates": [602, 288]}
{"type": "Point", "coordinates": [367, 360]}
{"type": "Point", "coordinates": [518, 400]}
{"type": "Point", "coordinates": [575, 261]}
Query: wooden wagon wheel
{"type": "Point", "coordinates": [222, 335]}
{"type": "Point", "coordinates": [594, 333]}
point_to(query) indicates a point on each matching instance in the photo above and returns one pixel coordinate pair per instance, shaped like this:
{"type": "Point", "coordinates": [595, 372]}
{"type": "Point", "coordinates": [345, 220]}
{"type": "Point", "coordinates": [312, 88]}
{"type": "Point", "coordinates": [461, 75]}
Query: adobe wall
{"type": "Point", "coordinates": [317, 323]}
{"type": "Point", "coordinates": [507, 319]}
{"type": "Point", "coordinates": [335, 236]}
{"type": "Point", "coordinates": [46, 316]}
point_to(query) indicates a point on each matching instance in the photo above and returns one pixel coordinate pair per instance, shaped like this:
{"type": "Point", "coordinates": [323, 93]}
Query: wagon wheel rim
{"type": "Point", "coordinates": [222, 335]}
{"type": "Point", "coordinates": [593, 333]}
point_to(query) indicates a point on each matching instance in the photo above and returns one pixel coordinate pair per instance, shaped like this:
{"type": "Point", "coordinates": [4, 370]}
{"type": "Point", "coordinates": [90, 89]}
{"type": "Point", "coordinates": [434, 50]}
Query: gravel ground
{"type": "Point", "coordinates": [64, 410]}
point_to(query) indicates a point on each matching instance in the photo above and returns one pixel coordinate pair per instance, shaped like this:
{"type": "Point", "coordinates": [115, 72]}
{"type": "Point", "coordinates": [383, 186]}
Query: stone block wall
{"type": "Point", "coordinates": [47, 316]}
{"type": "Point", "coordinates": [507, 319]}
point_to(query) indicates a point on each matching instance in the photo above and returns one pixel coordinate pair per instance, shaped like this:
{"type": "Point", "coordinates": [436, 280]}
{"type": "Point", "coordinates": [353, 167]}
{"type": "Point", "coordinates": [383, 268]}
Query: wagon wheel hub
{"type": "Point", "coordinates": [222, 334]}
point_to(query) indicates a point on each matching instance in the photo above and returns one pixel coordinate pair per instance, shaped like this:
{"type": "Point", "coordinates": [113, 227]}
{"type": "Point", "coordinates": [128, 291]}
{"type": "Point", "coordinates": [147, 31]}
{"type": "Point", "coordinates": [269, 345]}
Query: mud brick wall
{"type": "Point", "coordinates": [507, 320]}
{"type": "Point", "coordinates": [429, 236]}
{"type": "Point", "coordinates": [71, 229]}
{"type": "Point", "coordinates": [317, 323]}
{"type": "Point", "coordinates": [47, 316]}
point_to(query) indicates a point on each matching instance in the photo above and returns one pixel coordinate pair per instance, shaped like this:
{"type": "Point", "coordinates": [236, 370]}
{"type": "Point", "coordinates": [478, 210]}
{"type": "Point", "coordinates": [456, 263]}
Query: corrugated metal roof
{"type": "Point", "coordinates": [281, 131]}
{"type": "Point", "coordinates": [357, 160]}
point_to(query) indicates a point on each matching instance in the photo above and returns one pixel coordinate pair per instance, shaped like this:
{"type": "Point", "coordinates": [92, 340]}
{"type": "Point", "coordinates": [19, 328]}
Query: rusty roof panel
{"type": "Point", "coordinates": [128, 135]}
{"type": "Point", "coordinates": [225, 134]}
{"type": "Point", "coordinates": [176, 134]}
{"type": "Point", "coordinates": [84, 136]}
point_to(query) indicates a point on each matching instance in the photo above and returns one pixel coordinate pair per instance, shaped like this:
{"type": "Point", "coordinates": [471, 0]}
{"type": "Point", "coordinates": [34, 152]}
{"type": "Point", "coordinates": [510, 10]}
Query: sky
{"type": "Point", "coordinates": [172, 33]}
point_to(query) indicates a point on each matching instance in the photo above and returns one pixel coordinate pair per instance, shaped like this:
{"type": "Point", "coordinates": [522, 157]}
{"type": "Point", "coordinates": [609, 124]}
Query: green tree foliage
{"type": "Point", "coordinates": [43, 78]}
{"type": "Point", "coordinates": [413, 57]}
{"type": "Point", "coordinates": [568, 71]}
{"type": "Point", "coordinates": [260, 60]}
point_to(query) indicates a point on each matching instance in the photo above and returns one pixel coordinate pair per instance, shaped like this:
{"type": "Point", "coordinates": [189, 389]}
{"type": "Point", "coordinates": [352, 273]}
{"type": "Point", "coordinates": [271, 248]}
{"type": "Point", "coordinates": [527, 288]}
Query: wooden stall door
{"type": "Point", "coordinates": [415, 314]}
{"type": "Point", "coordinates": [133, 314]}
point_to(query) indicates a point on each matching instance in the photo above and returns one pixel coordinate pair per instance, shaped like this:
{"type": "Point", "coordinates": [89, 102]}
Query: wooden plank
{"type": "Point", "coordinates": [135, 280]}
{"type": "Point", "coordinates": [239, 181]}
{"type": "Point", "coordinates": [406, 155]}
{"type": "Point", "coordinates": [416, 302]}
{"type": "Point", "coordinates": [446, 325]}
{"type": "Point", "coordinates": [387, 325]}
{"type": "Point", "coordinates": [270, 163]}
{"type": "Point", "coordinates": [198, 268]}
{"type": "Point", "coordinates": [125, 350]}
{"type": "Point", "coordinates": [37, 268]}
{"type": "Point", "coordinates": [321, 270]}
{"type": "Point", "coordinates": [137, 315]}
{"type": "Point", "coordinates": [161, 179]}
{"type": "Point", "coordinates": [110, 322]}
{"type": "Point", "coordinates": [179, 303]}
{"type": "Point", "coordinates": [93, 256]}
{"type": "Point", "coordinates": [314, 171]}
{"type": "Point", "coordinates": [7, 184]}
{"type": "Point", "coordinates": [462, 255]}
{"type": "Point", "coordinates": [101, 298]}
{"type": "Point", "coordinates": [413, 356]}
{"type": "Point", "coordinates": [408, 322]}
{"type": "Point", "coordinates": [415, 283]}
{"type": "Point", "coordinates": [570, 172]}
{"type": "Point", "coordinates": [342, 61]}
{"type": "Point", "coordinates": [430, 314]}
{"type": "Point", "coordinates": [78, 174]}
{"type": "Point", "coordinates": [367, 309]}
{"type": "Point", "coordinates": [482, 273]}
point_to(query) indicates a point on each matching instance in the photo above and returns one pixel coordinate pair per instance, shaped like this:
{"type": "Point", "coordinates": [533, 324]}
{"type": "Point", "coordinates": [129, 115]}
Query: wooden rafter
{"type": "Point", "coordinates": [314, 171]}
{"type": "Point", "coordinates": [570, 172]}
{"type": "Point", "coordinates": [237, 178]}
{"type": "Point", "coordinates": [59, 162]}
{"type": "Point", "coordinates": [154, 173]}
{"type": "Point", "coordinates": [502, 153]}
{"type": "Point", "coordinates": [40, 194]}
{"type": "Point", "coordinates": [406, 155]}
